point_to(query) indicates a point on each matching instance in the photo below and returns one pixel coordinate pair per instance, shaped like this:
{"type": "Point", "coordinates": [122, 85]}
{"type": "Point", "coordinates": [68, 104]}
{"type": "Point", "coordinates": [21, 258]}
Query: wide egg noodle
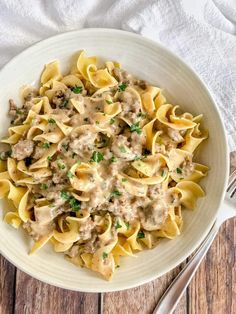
{"type": "Point", "coordinates": [68, 213]}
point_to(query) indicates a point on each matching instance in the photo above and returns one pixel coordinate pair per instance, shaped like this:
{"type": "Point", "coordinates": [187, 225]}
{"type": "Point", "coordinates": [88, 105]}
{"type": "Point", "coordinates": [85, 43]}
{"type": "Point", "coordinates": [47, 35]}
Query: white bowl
{"type": "Point", "coordinates": [154, 63]}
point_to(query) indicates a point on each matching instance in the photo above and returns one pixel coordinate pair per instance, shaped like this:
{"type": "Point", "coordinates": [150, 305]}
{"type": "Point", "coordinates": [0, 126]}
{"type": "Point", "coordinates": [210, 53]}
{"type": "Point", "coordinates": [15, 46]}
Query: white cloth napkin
{"type": "Point", "coordinates": [202, 32]}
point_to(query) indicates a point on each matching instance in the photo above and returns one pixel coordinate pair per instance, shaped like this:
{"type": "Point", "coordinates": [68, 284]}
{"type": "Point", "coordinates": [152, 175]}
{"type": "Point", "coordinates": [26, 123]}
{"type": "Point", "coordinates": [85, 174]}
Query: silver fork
{"type": "Point", "coordinates": [172, 295]}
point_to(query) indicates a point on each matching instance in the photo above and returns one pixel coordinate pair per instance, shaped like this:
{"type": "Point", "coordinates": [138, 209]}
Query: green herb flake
{"type": "Point", "coordinates": [73, 155]}
{"type": "Point", "coordinates": [77, 89]}
{"type": "Point", "coordinates": [44, 186]}
{"type": "Point", "coordinates": [141, 115]}
{"type": "Point", "coordinates": [117, 225]}
{"type": "Point", "coordinates": [112, 121]}
{"type": "Point", "coordinates": [74, 204]}
{"type": "Point", "coordinates": [65, 146]}
{"type": "Point", "coordinates": [122, 87]}
{"type": "Point", "coordinates": [136, 128]}
{"type": "Point", "coordinates": [141, 235]}
{"type": "Point", "coordinates": [46, 145]}
{"type": "Point", "coordinates": [49, 158]}
{"type": "Point", "coordinates": [109, 102]}
{"type": "Point", "coordinates": [124, 180]}
{"type": "Point", "coordinates": [104, 255]}
{"type": "Point", "coordinates": [61, 166]}
{"type": "Point", "coordinates": [97, 122]}
{"type": "Point", "coordinates": [179, 170]}
{"type": "Point", "coordinates": [64, 104]}
{"type": "Point", "coordinates": [51, 121]}
{"type": "Point", "coordinates": [113, 159]}
{"type": "Point", "coordinates": [97, 157]}
{"type": "Point", "coordinates": [78, 162]}
{"type": "Point", "coordinates": [117, 266]}
{"type": "Point", "coordinates": [70, 174]}
{"type": "Point", "coordinates": [137, 157]}
{"type": "Point", "coordinates": [122, 149]}
{"type": "Point", "coordinates": [127, 225]}
{"type": "Point", "coordinates": [18, 111]}
{"type": "Point", "coordinates": [163, 173]}
{"type": "Point", "coordinates": [115, 193]}
{"type": "Point", "coordinates": [65, 195]}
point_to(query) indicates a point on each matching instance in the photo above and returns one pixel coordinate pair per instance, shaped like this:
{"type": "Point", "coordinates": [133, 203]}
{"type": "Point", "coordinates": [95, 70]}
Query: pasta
{"type": "Point", "coordinates": [98, 164]}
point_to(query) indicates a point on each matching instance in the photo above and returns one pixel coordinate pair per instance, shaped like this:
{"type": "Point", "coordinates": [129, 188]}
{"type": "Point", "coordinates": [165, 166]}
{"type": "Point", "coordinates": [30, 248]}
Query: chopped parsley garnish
{"type": "Point", "coordinates": [65, 146]}
{"type": "Point", "coordinates": [77, 89]}
{"type": "Point", "coordinates": [118, 226]}
{"type": "Point", "coordinates": [122, 149]}
{"type": "Point", "coordinates": [179, 170]}
{"type": "Point", "coordinates": [97, 157]}
{"type": "Point", "coordinates": [113, 159]}
{"type": "Point", "coordinates": [49, 158]}
{"type": "Point", "coordinates": [112, 121]}
{"type": "Point", "coordinates": [18, 111]}
{"type": "Point", "coordinates": [141, 115]}
{"type": "Point", "coordinates": [64, 104]}
{"type": "Point", "coordinates": [97, 122]}
{"type": "Point", "coordinates": [135, 128]}
{"type": "Point", "coordinates": [61, 166]}
{"type": "Point", "coordinates": [124, 179]}
{"type": "Point", "coordinates": [78, 162]}
{"type": "Point", "coordinates": [65, 195]}
{"type": "Point", "coordinates": [74, 204]}
{"type": "Point", "coordinates": [44, 186]}
{"type": "Point", "coordinates": [162, 173]}
{"type": "Point", "coordinates": [109, 102]}
{"type": "Point", "coordinates": [127, 225]}
{"type": "Point", "coordinates": [70, 174]}
{"type": "Point", "coordinates": [122, 87]}
{"type": "Point", "coordinates": [115, 193]}
{"type": "Point", "coordinates": [51, 120]}
{"type": "Point", "coordinates": [141, 235]}
{"type": "Point", "coordinates": [104, 255]}
{"type": "Point", "coordinates": [137, 157]}
{"type": "Point", "coordinates": [46, 145]}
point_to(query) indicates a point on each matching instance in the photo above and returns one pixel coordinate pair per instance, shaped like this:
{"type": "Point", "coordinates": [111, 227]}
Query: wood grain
{"type": "Point", "coordinates": [142, 299]}
{"type": "Point", "coordinates": [7, 290]}
{"type": "Point", "coordinates": [213, 289]}
{"type": "Point", "coordinates": [33, 296]}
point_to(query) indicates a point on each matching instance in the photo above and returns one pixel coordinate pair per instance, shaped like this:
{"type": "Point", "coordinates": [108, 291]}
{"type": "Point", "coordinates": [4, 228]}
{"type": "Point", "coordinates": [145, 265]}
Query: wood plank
{"type": "Point", "coordinates": [33, 296]}
{"type": "Point", "coordinates": [7, 290]}
{"type": "Point", "coordinates": [143, 299]}
{"type": "Point", "coordinates": [212, 290]}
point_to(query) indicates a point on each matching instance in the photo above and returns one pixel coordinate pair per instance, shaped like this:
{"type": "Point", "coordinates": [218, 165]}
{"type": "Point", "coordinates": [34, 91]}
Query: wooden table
{"type": "Point", "coordinates": [213, 289]}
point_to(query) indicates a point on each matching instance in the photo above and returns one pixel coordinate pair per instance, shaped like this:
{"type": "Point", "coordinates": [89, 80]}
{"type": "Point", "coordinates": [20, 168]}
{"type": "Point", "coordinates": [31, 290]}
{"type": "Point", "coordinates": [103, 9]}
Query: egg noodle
{"type": "Point", "coordinates": [99, 164]}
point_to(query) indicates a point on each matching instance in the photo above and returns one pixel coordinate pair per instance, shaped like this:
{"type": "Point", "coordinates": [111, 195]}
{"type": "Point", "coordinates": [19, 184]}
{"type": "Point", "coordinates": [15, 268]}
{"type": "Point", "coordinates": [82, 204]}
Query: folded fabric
{"type": "Point", "coordinates": [201, 32]}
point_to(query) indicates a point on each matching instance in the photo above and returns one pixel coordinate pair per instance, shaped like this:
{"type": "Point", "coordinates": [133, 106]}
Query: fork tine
{"type": "Point", "coordinates": [231, 190]}
{"type": "Point", "coordinates": [232, 180]}
{"type": "Point", "coordinates": [234, 191]}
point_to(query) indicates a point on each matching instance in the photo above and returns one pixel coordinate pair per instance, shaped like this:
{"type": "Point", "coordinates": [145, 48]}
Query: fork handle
{"type": "Point", "coordinates": [171, 297]}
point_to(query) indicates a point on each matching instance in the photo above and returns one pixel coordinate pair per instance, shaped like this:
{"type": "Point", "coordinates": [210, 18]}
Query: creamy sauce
{"type": "Point", "coordinates": [109, 152]}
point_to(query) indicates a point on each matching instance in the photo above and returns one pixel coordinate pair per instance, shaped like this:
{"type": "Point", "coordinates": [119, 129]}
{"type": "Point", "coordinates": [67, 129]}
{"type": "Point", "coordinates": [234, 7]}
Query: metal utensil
{"type": "Point", "coordinates": [172, 295]}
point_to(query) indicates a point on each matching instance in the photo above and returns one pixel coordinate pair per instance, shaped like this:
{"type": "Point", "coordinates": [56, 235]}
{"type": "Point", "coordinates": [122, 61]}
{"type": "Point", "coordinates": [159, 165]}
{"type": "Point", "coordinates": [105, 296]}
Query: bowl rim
{"type": "Point", "coordinates": [171, 264]}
